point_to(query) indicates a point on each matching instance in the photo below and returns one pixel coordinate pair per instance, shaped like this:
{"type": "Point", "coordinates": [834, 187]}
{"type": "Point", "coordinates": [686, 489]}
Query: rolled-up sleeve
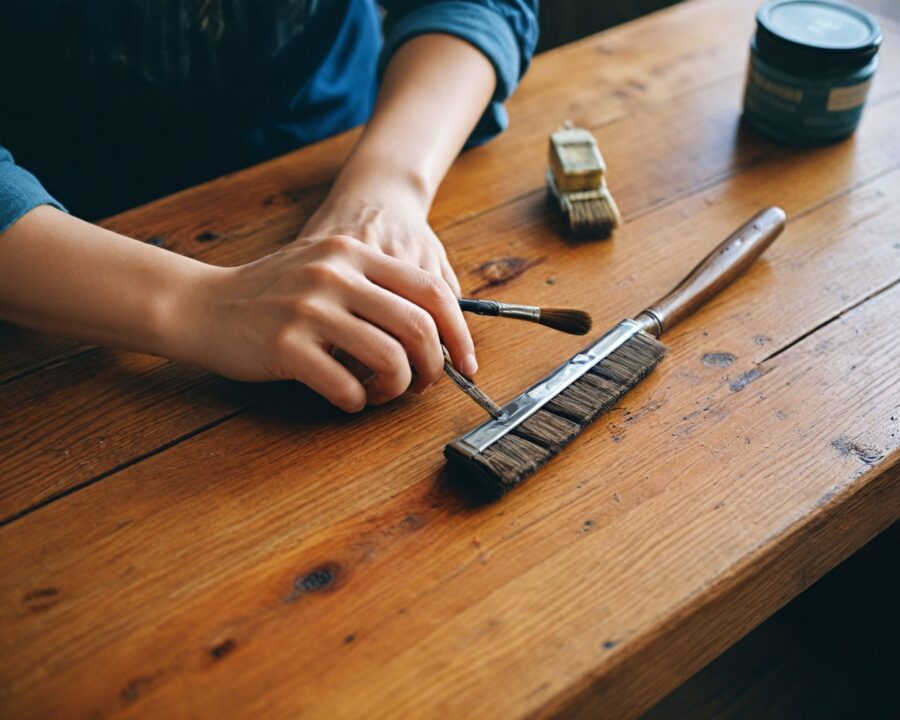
{"type": "Point", "coordinates": [20, 191]}
{"type": "Point", "coordinates": [505, 31]}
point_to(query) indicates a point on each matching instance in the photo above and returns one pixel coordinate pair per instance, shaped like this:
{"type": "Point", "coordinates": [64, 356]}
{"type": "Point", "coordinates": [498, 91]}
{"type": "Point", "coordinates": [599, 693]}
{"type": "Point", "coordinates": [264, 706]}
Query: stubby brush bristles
{"type": "Point", "coordinates": [592, 214]}
{"type": "Point", "coordinates": [574, 322]}
{"type": "Point", "coordinates": [505, 463]}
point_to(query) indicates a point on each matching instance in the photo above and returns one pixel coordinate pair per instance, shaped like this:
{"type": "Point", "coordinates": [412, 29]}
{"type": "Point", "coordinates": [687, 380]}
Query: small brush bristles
{"type": "Point", "coordinates": [574, 322]}
{"type": "Point", "coordinates": [507, 462]}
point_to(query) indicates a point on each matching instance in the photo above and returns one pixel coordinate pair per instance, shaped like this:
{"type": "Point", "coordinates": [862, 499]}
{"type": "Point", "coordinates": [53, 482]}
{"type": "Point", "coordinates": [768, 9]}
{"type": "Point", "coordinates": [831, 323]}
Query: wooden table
{"type": "Point", "coordinates": [177, 545]}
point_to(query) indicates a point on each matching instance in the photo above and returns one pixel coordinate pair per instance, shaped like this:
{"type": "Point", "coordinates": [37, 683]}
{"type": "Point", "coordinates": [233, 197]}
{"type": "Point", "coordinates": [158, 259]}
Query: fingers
{"type": "Point", "coordinates": [335, 291]}
{"type": "Point", "coordinates": [432, 294]}
{"type": "Point", "coordinates": [438, 264]}
{"type": "Point", "coordinates": [445, 268]}
{"type": "Point", "coordinates": [322, 373]}
{"type": "Point", "coordinates": [377, 350]}
{"type": "Point", "coordinates": [450, 276]}
{"type": "Point", "coordinates": [410, 324]}
{"type": "Point", "coordinates": [432, 265]}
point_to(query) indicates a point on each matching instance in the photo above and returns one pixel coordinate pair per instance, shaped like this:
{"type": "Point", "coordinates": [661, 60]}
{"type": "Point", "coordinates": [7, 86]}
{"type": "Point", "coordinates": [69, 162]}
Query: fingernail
{"type": "Point", "coordinates": [469, 365]}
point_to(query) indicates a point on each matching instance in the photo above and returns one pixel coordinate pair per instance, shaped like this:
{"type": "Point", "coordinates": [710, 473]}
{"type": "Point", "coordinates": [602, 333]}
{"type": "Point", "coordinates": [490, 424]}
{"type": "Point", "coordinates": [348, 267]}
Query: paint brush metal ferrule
{"type": "Point", "coordinates": [499, 309]}
{"type": "Point", "coordinates": [520, 312]}
{"type": "Point", "coordinates": [525, 405]}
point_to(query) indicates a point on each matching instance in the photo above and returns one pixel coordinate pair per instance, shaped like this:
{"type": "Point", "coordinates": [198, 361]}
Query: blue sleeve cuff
{"type": "Point", "coordinates": [20, 191]}
{"type": "Point", "coordinates": [478, 25]}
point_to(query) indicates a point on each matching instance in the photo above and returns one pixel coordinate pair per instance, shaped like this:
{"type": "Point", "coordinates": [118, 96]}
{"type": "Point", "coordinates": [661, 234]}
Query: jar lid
{"type": "Point", "coordinates": [816, 35]}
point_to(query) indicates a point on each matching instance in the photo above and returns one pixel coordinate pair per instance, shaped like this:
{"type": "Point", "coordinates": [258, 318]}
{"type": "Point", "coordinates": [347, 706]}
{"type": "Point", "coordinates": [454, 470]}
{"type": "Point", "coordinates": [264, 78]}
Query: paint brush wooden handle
{"type": "Point", "coordinates": [717, 270]}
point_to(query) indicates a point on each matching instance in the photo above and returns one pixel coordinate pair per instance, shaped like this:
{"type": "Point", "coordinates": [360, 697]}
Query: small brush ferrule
{"type": "Point", "coordinates": [520, 312]}
{"type": "Point", "coordinates": [499, 309]}
{"type": "Point", "coordinates": [525, 405]}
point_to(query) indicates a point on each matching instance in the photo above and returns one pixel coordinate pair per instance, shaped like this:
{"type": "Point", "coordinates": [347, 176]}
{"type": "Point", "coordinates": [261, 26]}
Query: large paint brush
{"type": "Point", "coordinates": [535, 426]}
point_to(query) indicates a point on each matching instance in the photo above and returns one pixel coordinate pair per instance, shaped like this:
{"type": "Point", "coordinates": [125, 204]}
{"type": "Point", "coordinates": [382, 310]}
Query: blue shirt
{"type": "Point", "coordinates": [106, 128]}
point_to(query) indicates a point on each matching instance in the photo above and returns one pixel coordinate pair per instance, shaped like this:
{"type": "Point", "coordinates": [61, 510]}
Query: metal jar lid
{"type": "Point", "coordinates": [816, 36]}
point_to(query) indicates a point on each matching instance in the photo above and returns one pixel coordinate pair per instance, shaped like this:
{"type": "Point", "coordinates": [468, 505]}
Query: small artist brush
{"type": "Point", "coordinates": [567, 320]}
{"type": "Point", "coordinates": [501, 453]}
{"type": "Point", "coordinates": [574, 322]}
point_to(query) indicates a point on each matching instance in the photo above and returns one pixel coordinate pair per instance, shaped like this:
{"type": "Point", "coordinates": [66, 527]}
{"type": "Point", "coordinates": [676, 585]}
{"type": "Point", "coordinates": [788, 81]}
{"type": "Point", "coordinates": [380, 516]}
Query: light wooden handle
{"type": "Point", "coordinates": [714, 272]}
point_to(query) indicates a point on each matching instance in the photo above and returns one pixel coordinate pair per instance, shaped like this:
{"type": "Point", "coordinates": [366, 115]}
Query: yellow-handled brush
{"type": "Point", "coordinates": [576, 178]}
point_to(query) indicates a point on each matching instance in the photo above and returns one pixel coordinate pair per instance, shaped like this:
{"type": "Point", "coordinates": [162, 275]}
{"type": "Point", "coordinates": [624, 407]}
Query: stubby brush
{"type": "Point", "coordinates": [576, 178]}
{"type": "Point", "coordinates": [590, 213]}
{"type": "Point", "coordinates": [567, 320]}
{"type": "Point", "coordinates": [499, 454]}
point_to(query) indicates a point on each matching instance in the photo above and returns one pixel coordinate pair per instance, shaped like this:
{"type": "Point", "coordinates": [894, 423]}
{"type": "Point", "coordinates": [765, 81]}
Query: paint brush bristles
{"type": "Point", "coordinates": [506, 462]}
{"type": "Point", "coordinates": [567, 320]}
{"type": "Point", "coordinates": [574, 322]}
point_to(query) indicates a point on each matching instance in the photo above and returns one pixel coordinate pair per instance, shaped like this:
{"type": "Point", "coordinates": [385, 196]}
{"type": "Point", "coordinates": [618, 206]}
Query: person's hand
{"type": "Point", "coordinates": [279, 317]}
{"type": "Point", "coordinates": [389, 219]}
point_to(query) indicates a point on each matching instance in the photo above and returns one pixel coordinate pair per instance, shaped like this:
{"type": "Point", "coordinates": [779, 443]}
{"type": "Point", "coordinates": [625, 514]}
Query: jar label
{"type": "Point", "coordinates": [844, 98]}
{"type": "Point", "coordinates": [785, 92]}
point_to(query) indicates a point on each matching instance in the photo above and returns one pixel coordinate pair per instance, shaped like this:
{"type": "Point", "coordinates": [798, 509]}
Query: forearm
{"type": "Point", "coordinates": [64, 276]}
{"type": "Point", "coordinates": [275, 318]}
{"type": "Point", "coordinates": [435, 89]}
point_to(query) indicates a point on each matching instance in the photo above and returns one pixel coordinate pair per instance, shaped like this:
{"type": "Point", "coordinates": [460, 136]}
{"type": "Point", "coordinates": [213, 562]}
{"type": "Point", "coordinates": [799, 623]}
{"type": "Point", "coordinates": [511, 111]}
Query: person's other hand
{"type": "Point", "coordinates": [388, 220]}
{"type": "Point", "coordinates": [279, 317]}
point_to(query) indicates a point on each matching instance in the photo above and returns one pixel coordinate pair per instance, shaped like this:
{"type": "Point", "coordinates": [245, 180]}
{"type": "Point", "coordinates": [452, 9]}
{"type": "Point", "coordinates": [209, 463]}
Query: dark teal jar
{"type": "Point", "coordinates": [811, 65]}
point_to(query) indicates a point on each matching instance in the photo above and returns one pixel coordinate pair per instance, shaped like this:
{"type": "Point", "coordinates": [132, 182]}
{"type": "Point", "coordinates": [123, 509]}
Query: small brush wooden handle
{"type": "Point", "coordinates": [715, 271]}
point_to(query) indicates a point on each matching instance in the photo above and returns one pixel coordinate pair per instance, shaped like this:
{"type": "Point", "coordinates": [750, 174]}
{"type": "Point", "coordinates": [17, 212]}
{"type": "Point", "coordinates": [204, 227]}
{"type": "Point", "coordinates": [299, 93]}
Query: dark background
{"type": "Point", "coordinates": [563, 21]}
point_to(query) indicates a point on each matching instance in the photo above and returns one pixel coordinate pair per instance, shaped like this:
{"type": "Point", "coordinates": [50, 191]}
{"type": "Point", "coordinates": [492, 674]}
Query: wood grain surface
{"type": "Point", "coordinates": [175, 544]}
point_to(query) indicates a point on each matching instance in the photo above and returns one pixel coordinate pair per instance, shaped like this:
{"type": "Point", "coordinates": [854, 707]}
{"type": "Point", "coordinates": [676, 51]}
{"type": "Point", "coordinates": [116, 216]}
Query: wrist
{"type": "Point", "coordinates": [378, 179]}
{"type": "Point", "coordinates": [180, 324]}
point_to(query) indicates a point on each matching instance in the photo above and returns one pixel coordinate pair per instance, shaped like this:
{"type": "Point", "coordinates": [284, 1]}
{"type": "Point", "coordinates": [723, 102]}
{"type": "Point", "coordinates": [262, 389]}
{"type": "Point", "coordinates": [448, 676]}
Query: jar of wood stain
{"type": "Point", "coordinates": [811, 64]}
